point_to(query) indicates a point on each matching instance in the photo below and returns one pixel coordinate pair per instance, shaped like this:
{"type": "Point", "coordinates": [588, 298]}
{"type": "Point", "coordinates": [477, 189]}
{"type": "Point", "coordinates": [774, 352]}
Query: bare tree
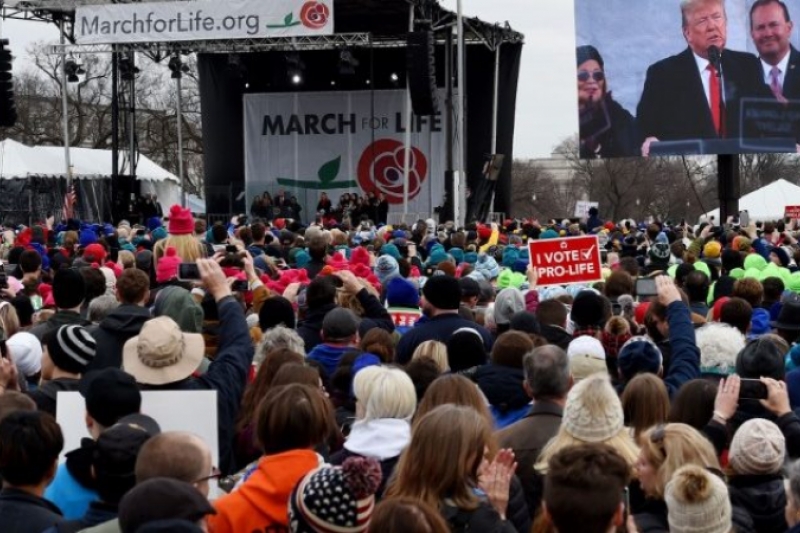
{"type": "Point", "coordinates": [538, 193]}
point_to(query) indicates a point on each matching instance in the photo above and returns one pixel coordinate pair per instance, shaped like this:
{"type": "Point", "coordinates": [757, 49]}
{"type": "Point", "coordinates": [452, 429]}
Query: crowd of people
{"type": "Point", "coordinates": [351, 207]}
{"type": "Point", "coordinates": [408, 379]}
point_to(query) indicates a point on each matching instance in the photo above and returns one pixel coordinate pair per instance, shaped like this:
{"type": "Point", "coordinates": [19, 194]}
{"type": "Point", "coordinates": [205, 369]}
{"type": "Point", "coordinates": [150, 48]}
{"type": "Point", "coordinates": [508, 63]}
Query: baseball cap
{"type": "Point", "coordinates": [339, 323]}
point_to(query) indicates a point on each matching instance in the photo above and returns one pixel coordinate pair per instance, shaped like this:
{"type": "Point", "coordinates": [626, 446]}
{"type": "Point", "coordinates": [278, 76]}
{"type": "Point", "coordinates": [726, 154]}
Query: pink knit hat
{"type": "Point", "coordinates": [167, 267]}
{"type": "Point", "coordinates": [181, 221]}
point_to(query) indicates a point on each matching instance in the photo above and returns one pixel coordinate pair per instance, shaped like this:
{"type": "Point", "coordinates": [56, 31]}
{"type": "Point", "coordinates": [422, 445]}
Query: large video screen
{"type": "Point", "coordinates": [666, 77]}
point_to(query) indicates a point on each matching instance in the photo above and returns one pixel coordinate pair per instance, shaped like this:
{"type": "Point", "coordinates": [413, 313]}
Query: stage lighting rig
{"type": "Point", "coordinates": [177, 67]}
{"type": "Point", "coordinates": [347, 63]}
{"type": "Point", "coordinates": [73, 70]}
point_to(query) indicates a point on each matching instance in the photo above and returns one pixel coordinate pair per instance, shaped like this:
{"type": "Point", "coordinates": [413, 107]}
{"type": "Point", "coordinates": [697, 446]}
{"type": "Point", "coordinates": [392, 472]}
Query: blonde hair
{"type": "Point", "coordinates": [456, 432]}
{"type": "Point", "coordinates": [680, 445]}
{"type": "Point", "coordinates": [188, 247]}
{"type": "Point", "coordinates": [9, 319]}
{"type": "Point", "coordinates": [126, 259]}
{"type": "Point", "coordinates": [385, 392]}
{"type": "Point", "coordinates": [434, 350]}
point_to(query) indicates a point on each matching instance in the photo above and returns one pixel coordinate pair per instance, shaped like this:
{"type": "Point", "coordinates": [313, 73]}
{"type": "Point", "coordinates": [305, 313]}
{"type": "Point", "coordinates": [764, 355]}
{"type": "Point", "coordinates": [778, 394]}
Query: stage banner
{"type": "Point", "coordinates": [304, 144]}
{"type": "Point", "coordinates": [686, 78]}
{"type": "Point", "coordinates": [565, 261]}
{"type": "Point", "coordinates": [202, 20]}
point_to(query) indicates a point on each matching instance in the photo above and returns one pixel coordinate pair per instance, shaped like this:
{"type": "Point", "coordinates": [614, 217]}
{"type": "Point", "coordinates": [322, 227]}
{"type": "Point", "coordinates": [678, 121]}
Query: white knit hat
{"type": "Point", "coordinates": [757, 448]}
{"type": "Point", "coordinates": [697, 502]}
{"type": "Point", "coordinates": [26, 352]}
{"type": "Point", "coordinates": [586, 357]}
{"type": "Point", "coordinates": [593, 412]}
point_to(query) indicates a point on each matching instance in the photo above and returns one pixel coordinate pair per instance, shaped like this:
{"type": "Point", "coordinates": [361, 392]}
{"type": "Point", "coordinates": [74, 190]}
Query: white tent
{"type": "Point", "coordinates": [766, 203]}
{"type": "Point", "coordinates": [20, 161]}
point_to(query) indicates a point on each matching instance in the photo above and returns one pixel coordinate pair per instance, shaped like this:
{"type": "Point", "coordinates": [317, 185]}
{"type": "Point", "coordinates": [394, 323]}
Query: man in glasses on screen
{"type": "Point", "coordinates": [606, 128]}
{"type": "Point", "coordinates": [696, 94]}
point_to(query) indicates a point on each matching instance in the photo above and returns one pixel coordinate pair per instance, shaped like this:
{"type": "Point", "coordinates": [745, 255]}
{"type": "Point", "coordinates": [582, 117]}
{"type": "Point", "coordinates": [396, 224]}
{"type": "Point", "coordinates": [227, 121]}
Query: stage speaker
{"type": "Point", "coordinates": [421, 69]}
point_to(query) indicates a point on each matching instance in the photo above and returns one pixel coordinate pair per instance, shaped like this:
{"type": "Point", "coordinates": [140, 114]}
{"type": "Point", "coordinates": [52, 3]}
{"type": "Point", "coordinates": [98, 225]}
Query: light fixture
{"type": "Point", "coordinates": [295, 67]}
{"type": "Point", "coordinates": [369, 82]}
{"type": "Point", "coordinates": [297, 79]}
{"type": "Point", "coordinates": [394, 77]}
{"type": "Point", "coordinates": [333, 83]}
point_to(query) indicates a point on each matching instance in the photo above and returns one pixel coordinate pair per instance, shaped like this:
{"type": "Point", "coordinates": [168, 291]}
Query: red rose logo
{"type": "Point", "coordinates": [380, 169]}
{"type": "Point", "coordinates": [315, 15]}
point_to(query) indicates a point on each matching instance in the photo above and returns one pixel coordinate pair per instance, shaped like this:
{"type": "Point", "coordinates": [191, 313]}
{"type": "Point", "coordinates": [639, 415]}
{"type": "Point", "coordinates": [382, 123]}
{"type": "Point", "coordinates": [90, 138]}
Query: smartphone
{"type": "Point", "coordinates": [231, 249]}
{"type": "Point", "coordinates": [240, 285]}
{"type": "Point", "coordinates": [188, 272]}
{"type": "Point", "coordinates": [753, 389]}
{"type": "Point", "coordinates": [626, 500]}
{"type": "Point", "coordinates": [646, 287]}
{"type": "Point", "coordinates": [744, 218]}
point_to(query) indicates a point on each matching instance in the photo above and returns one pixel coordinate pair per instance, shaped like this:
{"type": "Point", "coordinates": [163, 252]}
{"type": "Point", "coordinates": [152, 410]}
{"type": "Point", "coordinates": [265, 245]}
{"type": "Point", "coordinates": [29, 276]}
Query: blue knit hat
{"type": "Point", "coordinates": [549, 234]}
{"type": "Point", "coordinates": [401, 293]}
{"type": "Point", "coordinates": [457, 254]}
{"type": "Point", "coordinates": [159, 233]}
{"type": "Point", "coordinates": [487, 266]}
{"type": "Point", "coordinates": [639, 355]}
{"type": "Point", "coordinates": [386, 268]}
{"type": "Point", "coordinates": [471, 257]}
{"type": "Point", "coordinates": [153, 223]}
{"type": "Point", "coordinates": [390, 249]}
{"type": "Point", "coordinates": [510, 256]}
{"type": "Point", "coordinates": [87, 237]}
{"type": "Point", "coordinates": [302, 259]}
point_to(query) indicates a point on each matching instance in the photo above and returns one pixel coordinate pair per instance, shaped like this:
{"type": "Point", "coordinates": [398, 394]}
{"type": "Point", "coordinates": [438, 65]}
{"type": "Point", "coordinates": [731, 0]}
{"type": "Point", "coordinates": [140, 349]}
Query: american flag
{"type": "Point", "coordinates": [70, 198]}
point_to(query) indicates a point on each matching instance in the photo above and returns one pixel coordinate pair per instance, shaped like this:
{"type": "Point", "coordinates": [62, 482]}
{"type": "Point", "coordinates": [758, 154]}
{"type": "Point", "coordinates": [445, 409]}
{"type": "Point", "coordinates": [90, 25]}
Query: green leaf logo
{"type": "Point", "coordinates": [328, 172]}
{"type": "Point", "coordinates": [288, 19]}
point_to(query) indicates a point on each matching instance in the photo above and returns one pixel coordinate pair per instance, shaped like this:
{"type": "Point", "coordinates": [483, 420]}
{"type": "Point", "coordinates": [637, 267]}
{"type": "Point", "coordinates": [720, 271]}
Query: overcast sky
{"type": "Point", "coordinates": [546, 110]}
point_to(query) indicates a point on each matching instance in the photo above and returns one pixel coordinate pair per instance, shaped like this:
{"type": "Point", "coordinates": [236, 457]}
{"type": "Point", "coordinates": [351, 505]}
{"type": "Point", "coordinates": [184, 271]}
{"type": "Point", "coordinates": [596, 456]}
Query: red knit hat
{"type": "Point", "coordinates": [95, 253]}
{"type": "Point", "coordinates": [181, 221]}
{"type": "Point", "coordinates": [167, 267]}
{"type": "Point", "coordinates": [338, 262]}
{"type": "Point", "coordinates": [359, 256]}
{"type": "Point", "coordinates": [484, 232]}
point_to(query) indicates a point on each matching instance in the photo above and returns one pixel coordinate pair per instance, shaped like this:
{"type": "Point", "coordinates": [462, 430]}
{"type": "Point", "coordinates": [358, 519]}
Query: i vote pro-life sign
{"type": "Point", "coordinates": [565, 261]}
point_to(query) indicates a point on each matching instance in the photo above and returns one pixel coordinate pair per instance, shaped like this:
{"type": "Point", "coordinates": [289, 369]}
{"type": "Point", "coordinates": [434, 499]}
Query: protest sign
{"type": "Point", "coordinates": [565, 261]}
{"type": "Point", "coordinates": [792, 212]}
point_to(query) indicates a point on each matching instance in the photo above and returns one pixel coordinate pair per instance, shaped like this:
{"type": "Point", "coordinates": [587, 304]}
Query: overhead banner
{"type": "Point", "coordinates": [567, 260]}
{"type": "Point", "coordinates": [305, 144]}
{"type": "Point", "coordinates": [688, 77]}
{"type": "Point", "coordinates": [202, 20]}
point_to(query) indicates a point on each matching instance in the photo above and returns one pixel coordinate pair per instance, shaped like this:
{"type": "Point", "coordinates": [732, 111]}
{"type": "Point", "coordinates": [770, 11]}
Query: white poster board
{"type": "Point", "coordinates": [582, 208]}
{"type": "Point", "coordinates": [192, 411]}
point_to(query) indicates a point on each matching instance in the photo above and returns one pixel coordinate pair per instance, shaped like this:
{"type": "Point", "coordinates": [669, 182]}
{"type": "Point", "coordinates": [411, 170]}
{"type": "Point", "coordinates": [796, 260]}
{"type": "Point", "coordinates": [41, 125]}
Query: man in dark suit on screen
{"type": "Point", "coordinates": [771, 28]}
{"type": "Point", "coordinates": [681, 96]}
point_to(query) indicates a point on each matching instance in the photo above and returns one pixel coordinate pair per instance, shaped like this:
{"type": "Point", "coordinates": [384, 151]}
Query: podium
{"type": "Point", "coordinates": [723, 146]}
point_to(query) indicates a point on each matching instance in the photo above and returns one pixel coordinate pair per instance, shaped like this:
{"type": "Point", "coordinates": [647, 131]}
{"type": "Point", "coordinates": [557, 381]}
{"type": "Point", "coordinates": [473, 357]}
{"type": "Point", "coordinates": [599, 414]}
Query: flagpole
{"type": "Point", "coordinates": [65, 108]}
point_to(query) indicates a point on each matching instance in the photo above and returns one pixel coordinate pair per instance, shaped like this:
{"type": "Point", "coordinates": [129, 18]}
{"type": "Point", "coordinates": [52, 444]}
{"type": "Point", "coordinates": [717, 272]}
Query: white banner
{"type": "Point", "coordinates": [582, 208]}
{"type": "Point", "coordinates": [202, 20]}
{"type": "Point", "coordinates": [342, 142]}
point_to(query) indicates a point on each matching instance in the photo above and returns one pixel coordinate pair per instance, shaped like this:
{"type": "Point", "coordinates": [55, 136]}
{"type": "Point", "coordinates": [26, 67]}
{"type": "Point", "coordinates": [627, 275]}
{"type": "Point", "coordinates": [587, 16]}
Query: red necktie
{"type": "Point", "coordinates": [716, 111]}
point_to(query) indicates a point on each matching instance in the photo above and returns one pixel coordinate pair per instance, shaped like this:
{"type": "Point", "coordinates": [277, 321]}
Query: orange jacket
{"type": "Point", "coordinates": [262, 501]}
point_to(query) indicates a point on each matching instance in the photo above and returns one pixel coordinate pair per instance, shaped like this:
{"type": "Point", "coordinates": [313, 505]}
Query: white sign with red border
{"type": "Point", "coordinates": [566, 261]}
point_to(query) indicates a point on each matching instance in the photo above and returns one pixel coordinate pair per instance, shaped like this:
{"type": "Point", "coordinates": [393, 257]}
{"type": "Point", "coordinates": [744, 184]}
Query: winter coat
{"type": "Point", "coordinates": [438, 328]}
{"type": "Point", "coordinates": [227, 375]}
{"type": "Point", "coordinates": [73, 488]}
{"type": "Point", "coordinates": [503, 388]}
{"type": "Point", "coordinates": [121, 324]}
{"type": "Point", "coordinates": [556, 335]}
{"type": "Point", "coordinates": [763, 498]}
{"type": "Point", "coordinates": [45, 396]}
{"type": "Point", "coordinates": [328, 356]}
{"type": "Point", "coordinates": [60, 318]}
{"type": "Point", "coordinates": [98, 513]}
{"type": "Point", "coordinates": [383, 439]}
{"type": "Point", "coordinates": [484, 519]}
{"type": "Point", "coordinates": [260, 503]}
{"type": "Point", "coordinates": [21, 512]}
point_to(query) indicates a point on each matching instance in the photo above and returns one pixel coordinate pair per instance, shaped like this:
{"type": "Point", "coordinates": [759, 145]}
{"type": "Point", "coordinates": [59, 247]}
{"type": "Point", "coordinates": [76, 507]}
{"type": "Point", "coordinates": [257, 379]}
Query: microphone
{"type": "Point", "coordinates": [715, 57]}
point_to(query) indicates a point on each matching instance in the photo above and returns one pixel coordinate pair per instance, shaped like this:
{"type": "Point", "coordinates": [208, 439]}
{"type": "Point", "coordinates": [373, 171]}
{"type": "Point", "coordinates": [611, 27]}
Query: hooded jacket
{"type": "Point", "coordinates": [503, 388]}
{"type": "Point", "coordinates": [73, 488]}
{"type": "Point", "coordinates": [383, 439]}
{"type": "Point", "coordinates": [60, 318]}
{"type": "Point", "coordinates": [556, 335]}
{"type": "Point", "coordinates": [21, 512]}
{"type": "Point", "coordinates": [260, 503]}
{"type": "Point", "coordinates": [328, 356]}
{"type": "Point", "coordinates": [121, 324]}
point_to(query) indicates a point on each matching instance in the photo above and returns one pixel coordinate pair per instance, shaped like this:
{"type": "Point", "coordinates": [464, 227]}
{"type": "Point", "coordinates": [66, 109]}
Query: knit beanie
{"type": "Point", "coordinates": [69, 289]}
{"type": "Point", "coordinates": [471, 257]}
{"type": "Point", "coordinates": [637, 356]}
{"type": "Point", "coordinates": [181, 221]}
{"type": "Point", "coordinates": [697, 502]}
{"type": "Point", "coordinates": [159, 234]}
{"type": "Point", "coordinates": [167, 266]}
{"type": "Point", "coordinates": [333, 498]}
{"type": "Point", "coordinates": [390, 249]}
{"type": "Point", "coordinates": [712, 250]}
{"type": "Point", "coordinates": [26, 352]}
{"type": "Point", "coordinates": [359, 256]}
{"type": "Point", "coordinates": [508, 303]}
{"type": "Point", "coordinates": [87, 237]}
{"type": "Point", "coordinates": [386, 268]}
{"type": "Point", "coordinates": [758, 448]}
{"type": "Point", "coordinates": [593, 412]}
{"type": "Point", "coordinates": [443, 292]}
{"type": "Point", "coordinates": [301, 259]}
{"type": "Point", "coordinates": [401, 293]}
{"type": "Point", "coordinates": [587, 309]}
{"type": "Point", "coordinates": [71, 348]}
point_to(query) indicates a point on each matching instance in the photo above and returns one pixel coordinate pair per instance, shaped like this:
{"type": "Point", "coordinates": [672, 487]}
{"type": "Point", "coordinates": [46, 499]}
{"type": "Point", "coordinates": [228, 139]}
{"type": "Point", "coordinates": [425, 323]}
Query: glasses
{"type": "Point", "coordinates": [597, 75]}
{"type": "Point", "coordinates": [215, 474]}
{"type": "Point", "coordinates": [716, 18]}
